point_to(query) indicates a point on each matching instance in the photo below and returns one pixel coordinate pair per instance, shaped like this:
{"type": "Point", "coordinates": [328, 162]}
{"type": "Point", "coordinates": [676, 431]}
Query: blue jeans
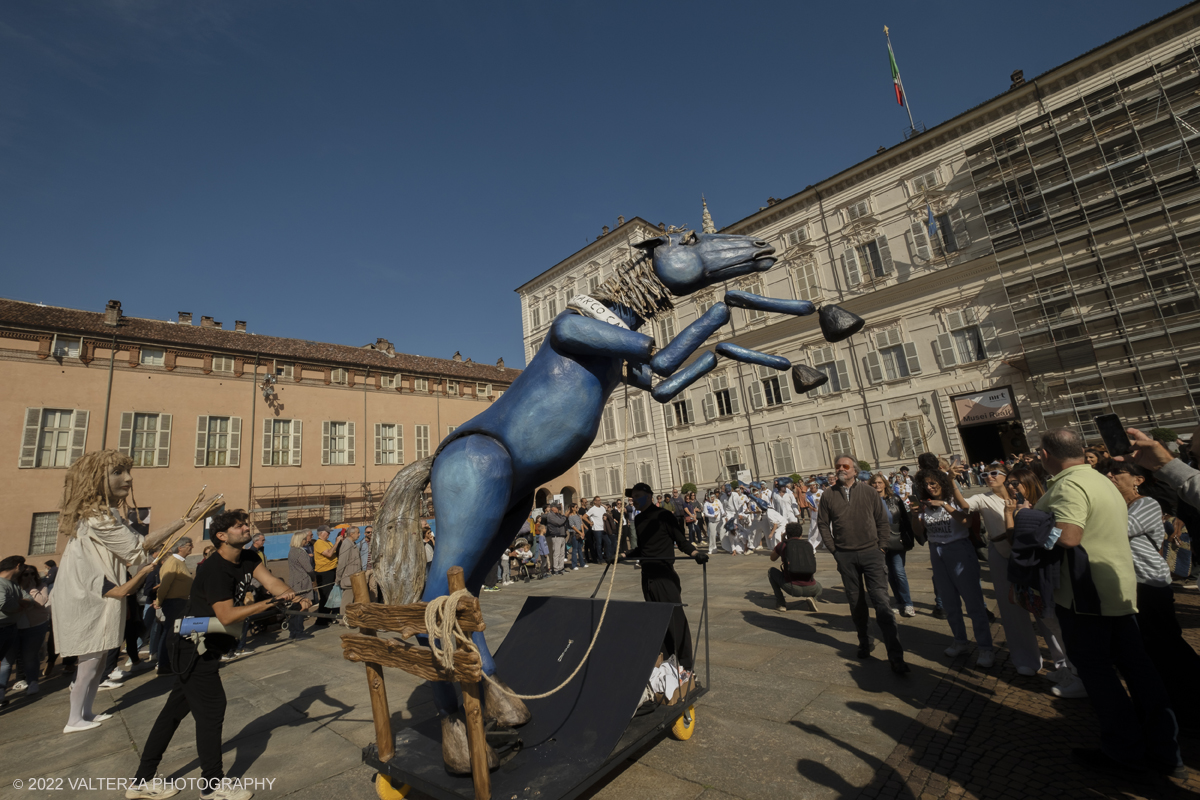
{"type": "Point", "coordinates": [599, 540]}
{"type": "Point", "coordinates": [26, 646]}
{"type": "Point", "coordinates": [956, 578]}
{"type": "Point", "coordinates": [1130, 729]}
{"type": "Point", "coordinates": [897, 577]}
{"type": "Point", "coordinates": [577, 559]}
{"type": "Point", "coordinates": [152, 630]}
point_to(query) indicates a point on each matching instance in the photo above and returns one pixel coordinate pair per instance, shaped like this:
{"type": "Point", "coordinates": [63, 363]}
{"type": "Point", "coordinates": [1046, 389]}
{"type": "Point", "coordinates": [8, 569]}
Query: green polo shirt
{"type": "Point", "coordinates": [1081, 496]}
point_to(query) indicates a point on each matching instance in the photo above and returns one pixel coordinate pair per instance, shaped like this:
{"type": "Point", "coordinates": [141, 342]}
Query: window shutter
{"type": "Point", "coordinates": [945, 348]}
{"type": "Point", "coordinates": [785, 392]}
{"type": "Point", "coordinates": [850, 264]}
{"type": "Point", "coordinates": [325, 443]}
{"type": "Point", "coordinates": [125, 439]}
{"type": "Point", "coordinates": [874, 365]}
{"type": "Point", "coordinates": [79, 423]}
{"type": "Point", "coordinates": [822, 355]}
{"type": "Point", "coordinates": [296, 439]}
{"type": "Point", "coordinates": [399, 443]}
{"type": "Point", "coordinates": [958, 228]}
{"type": "Point", "coordinates": [918, 241]}
{"type": "Point", "coordinates": [644, 474]}
{"type": "Point", "coordinates": [910, 355]}
{"type": "Point", "coordinates": [29, 439]}
{"type": "Point", "coordinates": [734, 407]}
{"type": "Point", "coordinates": [691, 414]}
{"type": "Point", "coordinates": [202, 441]}
{"type": "Point", "coordinates": [350, 443]}
{"type": "Point", "coordinates": [885, 255]}
{"type": "Point", "coordinates": [991, 344]}
{"type": "Point", "coordinates": [266, 443]}
{"type": "Point", "coordinates": [378, 444]}
{"type": "Point", "coordinates": [755, 391]}
{"type": "Point", "coordinates": [163, 457]}
{"type": "Point", "coordinates": [709, 406]}
{"type": "Point", "coordinates": [843, 377]}
{"type": "Point", "coordinates": [235, 442]}
{"type": "Point", "coordinates": [669, 415]}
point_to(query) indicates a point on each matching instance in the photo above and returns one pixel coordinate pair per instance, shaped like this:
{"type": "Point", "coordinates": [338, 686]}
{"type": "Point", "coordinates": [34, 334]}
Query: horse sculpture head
{"type": "Point", "coordinates": [687, 261]}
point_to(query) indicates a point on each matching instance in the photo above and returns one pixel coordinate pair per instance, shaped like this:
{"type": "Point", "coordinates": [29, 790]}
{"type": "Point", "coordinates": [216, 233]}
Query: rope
{"type": "Point", "coordinates": [446, 635]}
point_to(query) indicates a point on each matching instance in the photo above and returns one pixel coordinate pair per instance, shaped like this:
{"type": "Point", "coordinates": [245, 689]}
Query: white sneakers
{"type": "Point", "coordinates": [1069, 687]}
{"type": "Point", "coordinates": [109, 683]}
{"type": "Point", "coordinates": [957, 649]}
{"type": "Point", "coordinates": [230, 793]}
{"type": "Point", "coordinates": [986, 658]}
{"type": "Point", "coordinates": [156, 789]}
{"type": "Point", "coordinates": [117, 675]}
{"type": "Point", "coordinates": [908, 611]}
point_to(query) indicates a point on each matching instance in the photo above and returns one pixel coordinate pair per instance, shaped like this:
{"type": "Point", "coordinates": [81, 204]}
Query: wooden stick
{"type": "Point", "coordinates": [380, 713]}
{"type": "Point", "coordinates": [409, 620]}
{"type": "Point", "coordinates": [411, 658]}
{"type": "Point", "coordinates": [197, 500]}
{"type": "Point", "coordinates": [473, 710]}
{"type": "Point", "coordinates": [166, 548]}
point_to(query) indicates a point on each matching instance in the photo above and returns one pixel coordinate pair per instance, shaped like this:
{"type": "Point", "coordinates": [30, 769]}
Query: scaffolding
{"type": "Point", "coordinates": [285, 508]}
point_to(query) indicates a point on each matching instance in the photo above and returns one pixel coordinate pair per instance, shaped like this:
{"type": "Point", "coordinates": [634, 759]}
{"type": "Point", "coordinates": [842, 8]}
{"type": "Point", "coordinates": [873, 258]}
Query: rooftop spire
{"type": "Point", "coordinates": [706, 220]}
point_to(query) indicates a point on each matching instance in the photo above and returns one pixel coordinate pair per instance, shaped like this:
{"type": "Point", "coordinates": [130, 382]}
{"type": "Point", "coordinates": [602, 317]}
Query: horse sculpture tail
{"type": "Point", "coordinates": [398, 546]}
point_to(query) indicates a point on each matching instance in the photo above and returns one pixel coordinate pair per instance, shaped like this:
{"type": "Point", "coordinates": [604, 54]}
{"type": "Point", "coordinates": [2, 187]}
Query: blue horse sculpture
{"type": "Point", "coordinates": [485, 474]}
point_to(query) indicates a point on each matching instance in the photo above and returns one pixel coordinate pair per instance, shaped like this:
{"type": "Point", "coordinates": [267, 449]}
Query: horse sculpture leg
{"type": "Point", "coordinates": [476, 521]}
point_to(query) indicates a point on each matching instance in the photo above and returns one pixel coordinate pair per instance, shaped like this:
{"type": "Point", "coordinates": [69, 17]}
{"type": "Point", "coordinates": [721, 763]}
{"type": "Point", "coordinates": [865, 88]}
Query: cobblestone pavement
{"type": "Point", "coordinates": [997, 734]}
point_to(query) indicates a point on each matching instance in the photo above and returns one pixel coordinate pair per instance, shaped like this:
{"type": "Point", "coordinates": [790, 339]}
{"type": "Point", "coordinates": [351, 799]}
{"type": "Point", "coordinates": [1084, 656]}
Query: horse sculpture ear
{"type": "Point", "coordinates": [650, 244]}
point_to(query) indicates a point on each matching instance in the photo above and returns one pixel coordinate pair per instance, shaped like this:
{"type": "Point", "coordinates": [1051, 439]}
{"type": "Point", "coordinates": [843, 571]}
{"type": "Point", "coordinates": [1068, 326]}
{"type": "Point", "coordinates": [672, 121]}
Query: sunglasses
{"type": "Point", "coordinates": [995, 473]}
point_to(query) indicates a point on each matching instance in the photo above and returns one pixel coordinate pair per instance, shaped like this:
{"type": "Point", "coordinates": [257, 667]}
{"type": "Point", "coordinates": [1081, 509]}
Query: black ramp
{"type": "Point", "coordinates": [574, 730]}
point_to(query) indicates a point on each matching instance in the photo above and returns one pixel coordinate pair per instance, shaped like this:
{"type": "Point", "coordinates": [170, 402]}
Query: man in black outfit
{"type": "Point", "coordinates": [658, 534]}
{"type": "Point", "coordinates": [218, 591]}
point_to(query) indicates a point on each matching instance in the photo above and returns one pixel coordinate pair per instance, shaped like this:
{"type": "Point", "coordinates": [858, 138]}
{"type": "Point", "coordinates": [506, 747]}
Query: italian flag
{"type": "Point", "coordinates": [896, 76]}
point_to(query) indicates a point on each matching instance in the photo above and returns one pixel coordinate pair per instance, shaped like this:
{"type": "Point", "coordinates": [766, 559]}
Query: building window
{"type": "Point", "coordinates": [279, 518]}
{"type": "Point", "coordinates": [638, 413]}
{"type": "Point", "coordinates": [593, 283]}
{"type": "Point", "coordinates": [967, 339]}
{"type": "Point", "coordinates": [65, 348]}
{"type": "Point", "coordinates": [781, 454]}
{"type": "Point", "coordinates": [768, 389]}
{"type": "Point", "coordinates": [151, 356]}
{"type": "Point", "coordinates": [918, 242]}
{"type": "Point", "coordinates": [703, 304]}
{"type": "Point", "coordinates": [389, 443]}
{"type": "Point", "coordinates": [422, 443]}
{"type": "Point", "coordinates": [388, 381]}
{"type": "Point", "coordinates": [284, 370]}
{"type": "Point", "coordinates": [452, 388]}
{"type": "Point", "coordinates": [614, 480]}
{"type": "Point", "coordinates": [420, 384]}
{"type": "Point", "coordinates": [451, 429]}
{"type": "Point", "coordinates": [337, 443]}
{"type": "Point", "coordinates": [860, 209]}
{"type": "Point", "coordinates": [483, 389]}
{"type": "Point", "coordinates": [924, 182]}
{"type": "Point", "coordinates": [222, 364]}
{"type": "Point", "coordinates": [795, 237]}
{"type": "Point", "coordinates": [754, 314]}
{"type": "Point", "coordinates": [687, 469]}
{"type": "Point", "coordinates": [722, 399]}
{"type": "Point", "coordinates": [281, 443]}
{"type": "Point", "coordinates": [666, 330]}
{"type": "Point", "coordinates": [339, 376]}
{"type": "Point", "coordinates": [910, 437]}
{"type": "Point", "coordinates": [219, 441]}
{"type": "Point", "coordinates": [146, 438]}
{"type": "Point", "coordinates": [43, 535]}
{"type": "Point", "coordinates": [868, 262]}
{"type": "Point", "coordinates": [841, 443]}
{"type": "Point", "coordinates": [551, 308]}
{"type": "Point", "coordinates": [731, 457]}
{"type": "Point", "coordinates": [52, 437]}
{"type": "Point", "coordinates": [824, 359]}
{"type": "Point", "coordinates": [608, 421]}
{"type": "Point", "coordinates": [535, 316]}
{"type": "Point", "coordinates": [805, 275]}
{"type": "Point", "coordinates": [644, 473]}
{"type": "Point", "coordinates": [585, 481]}
{"type": "Point", "coordinates": [680, 413]}
{"type": "Point", "coordinates": [337, 510]}
{"type": "Point", "coordinates": [953, 231]}
{"type": "Point", "coordinates": [892, 357]}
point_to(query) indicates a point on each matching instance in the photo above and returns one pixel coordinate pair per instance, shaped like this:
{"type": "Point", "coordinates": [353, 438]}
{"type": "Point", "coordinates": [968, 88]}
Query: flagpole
{"type": "Point", "coordinates": [907, 106]}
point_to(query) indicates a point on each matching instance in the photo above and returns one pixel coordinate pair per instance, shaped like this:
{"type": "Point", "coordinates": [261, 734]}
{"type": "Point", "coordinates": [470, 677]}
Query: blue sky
{"type": "Point", "coordinates": [346, 170]}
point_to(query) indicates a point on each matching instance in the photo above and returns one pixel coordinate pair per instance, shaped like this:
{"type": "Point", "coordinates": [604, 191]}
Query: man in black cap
{"type": "Point", "coordinates": [658, 534]}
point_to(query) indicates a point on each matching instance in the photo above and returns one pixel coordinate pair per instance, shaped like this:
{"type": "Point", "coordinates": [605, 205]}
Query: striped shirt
{"type": "Point", "coordinates": [1146, 535]}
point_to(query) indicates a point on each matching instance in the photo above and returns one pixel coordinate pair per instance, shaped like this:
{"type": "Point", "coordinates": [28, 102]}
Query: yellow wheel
{"type": "Point", "coordinates": [685, 725]}
{"type": "Point", "coordinates": [385, 790]}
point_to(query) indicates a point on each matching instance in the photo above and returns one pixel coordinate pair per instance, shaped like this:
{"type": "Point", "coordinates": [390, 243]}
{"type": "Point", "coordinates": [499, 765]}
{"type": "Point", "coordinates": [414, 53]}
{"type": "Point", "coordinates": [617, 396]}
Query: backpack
{"type": "Point", "coordinates": [798, 557]}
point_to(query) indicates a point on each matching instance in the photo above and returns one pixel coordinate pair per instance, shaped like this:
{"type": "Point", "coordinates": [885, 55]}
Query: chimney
{"type": "Point", "coordinates": [500, 362]}
{"type": "Point", "coordinates": [620, 221]}
{"type": "Point", "coordinates": [239, 325]}
{"type": "Point", "coordinates": [468, 361]}
{"type": "Point", "coordinates": [207, 322]}
{"type": "Point", "coordinates": [457, 356]}
{"type": "Point", "coordinates": [112, 313]}
{"type": "Point", "coordinates": [1018, 79]}
{"type": "Point", "coordinates": [185, 318]}
{"type": "Point", "coordinates": [218, 325]}
{"type": "Point", "coordinates": [605, 231]}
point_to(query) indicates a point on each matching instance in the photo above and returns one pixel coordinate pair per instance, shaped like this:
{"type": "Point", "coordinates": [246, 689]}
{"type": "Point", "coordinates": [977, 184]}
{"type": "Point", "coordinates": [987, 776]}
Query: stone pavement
{"type": "Point", "coordinates": [792, 712]}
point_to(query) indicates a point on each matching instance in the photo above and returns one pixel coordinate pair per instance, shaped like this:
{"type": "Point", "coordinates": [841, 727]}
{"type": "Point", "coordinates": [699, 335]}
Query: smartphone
{"type": "Point", "coordinates": [957, 459]}
{"type": "Point", "coordinates": [1019, 497]}
{"type": "Point", "coordinates": [1113, 434]}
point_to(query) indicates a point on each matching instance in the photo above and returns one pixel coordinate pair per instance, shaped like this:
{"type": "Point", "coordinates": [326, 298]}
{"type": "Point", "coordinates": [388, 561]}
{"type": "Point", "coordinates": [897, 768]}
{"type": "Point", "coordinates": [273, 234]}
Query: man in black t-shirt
{"type": "Point", "coordinates": [218, 592]}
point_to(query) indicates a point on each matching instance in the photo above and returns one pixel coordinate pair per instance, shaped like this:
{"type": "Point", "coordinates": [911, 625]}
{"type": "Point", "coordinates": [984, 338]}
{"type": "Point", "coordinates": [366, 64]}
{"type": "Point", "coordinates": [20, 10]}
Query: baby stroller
{"type": "Point", "coordinates": [522, 569]}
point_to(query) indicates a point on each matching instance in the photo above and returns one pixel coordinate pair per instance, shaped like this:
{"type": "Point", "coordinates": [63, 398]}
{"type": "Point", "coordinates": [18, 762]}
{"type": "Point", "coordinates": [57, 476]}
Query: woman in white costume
{"type": "Point", "coordinates": [92, 583]}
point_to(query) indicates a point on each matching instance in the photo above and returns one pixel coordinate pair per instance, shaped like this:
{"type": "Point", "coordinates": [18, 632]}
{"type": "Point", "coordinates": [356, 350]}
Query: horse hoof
{"type": "Point", "coordinates": [837, 323]}
{"type": "Point", "coordinates": [503, 708]}
{"type": "Point", "coordinates": [805, 378]}
{"type": "Point", "coordinates": [455, 750]}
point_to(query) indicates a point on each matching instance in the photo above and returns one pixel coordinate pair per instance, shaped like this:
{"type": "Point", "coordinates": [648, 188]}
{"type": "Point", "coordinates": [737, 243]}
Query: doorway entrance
{"type": "Point", "coordinates": [989, 424]}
